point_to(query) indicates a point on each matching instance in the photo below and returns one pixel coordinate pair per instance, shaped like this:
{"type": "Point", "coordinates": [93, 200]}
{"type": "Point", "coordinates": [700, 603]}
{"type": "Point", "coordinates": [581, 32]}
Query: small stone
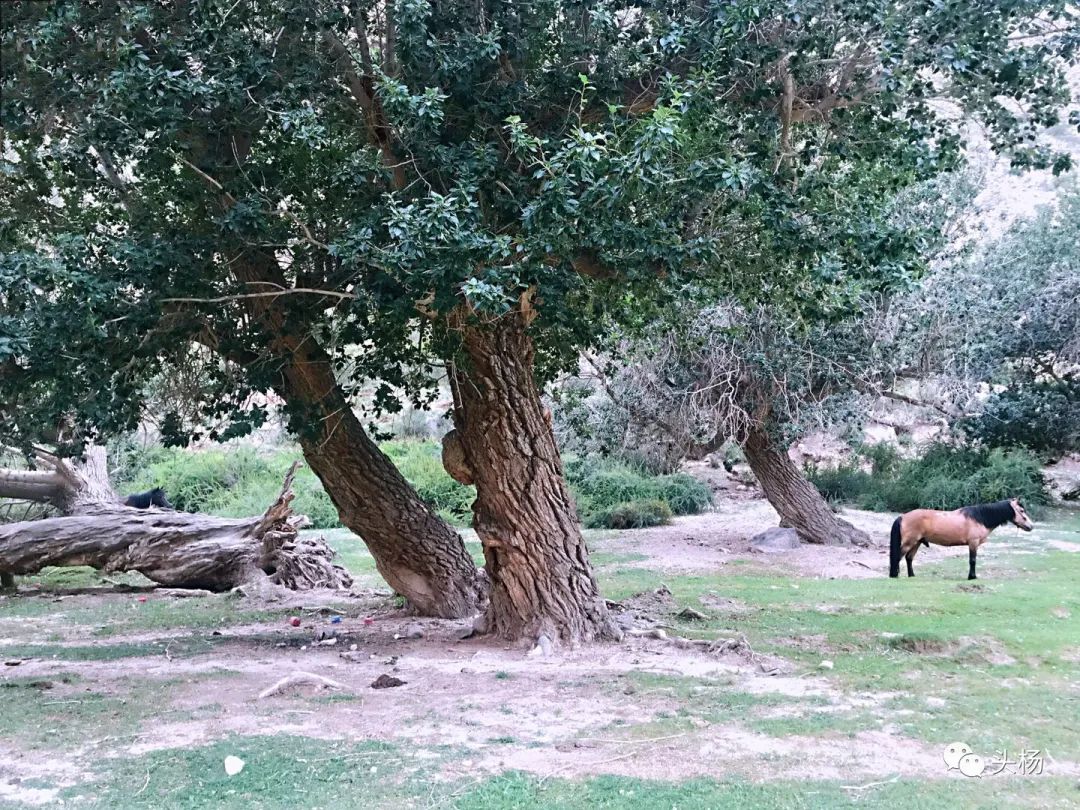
{"type": "Point", "coordinates": [414, 630]}
{"type": "Point", "coordinates": [353, 647]}
{"type": "Point", "coordinates": [825, 665]}
{"type": "Point", "coordinates": [772, 541]}
{"type": "Point", "coordinates": [386, 682]}
{"type": "Point", "coordinates": [327, 642]}
{"type": "Point", "coordinates": [233, 765]}
{"type": "Point", "coordinates": [692, 615]}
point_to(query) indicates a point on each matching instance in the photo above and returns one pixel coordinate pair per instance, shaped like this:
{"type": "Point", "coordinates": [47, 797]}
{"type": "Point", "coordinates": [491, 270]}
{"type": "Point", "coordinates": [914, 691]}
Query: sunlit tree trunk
{"type": "Point", "coordinates": [541, 581]}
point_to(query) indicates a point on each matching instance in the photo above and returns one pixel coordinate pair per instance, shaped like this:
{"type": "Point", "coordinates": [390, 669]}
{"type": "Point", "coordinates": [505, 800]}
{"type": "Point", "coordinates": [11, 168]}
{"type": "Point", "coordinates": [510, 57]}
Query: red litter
{"type": "Point", "coordinates": [141, 599]}
{"type": "Point", "coordinates": [369, 620]}
{"type": "Point", "coordinates": [294, 621]}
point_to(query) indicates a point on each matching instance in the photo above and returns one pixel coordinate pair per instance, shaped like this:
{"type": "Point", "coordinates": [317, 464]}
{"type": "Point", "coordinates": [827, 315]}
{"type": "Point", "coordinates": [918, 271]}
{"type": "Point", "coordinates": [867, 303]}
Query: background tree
{"type": "Point", "coordinates": [482, 182]}
{"type": "Point", "coordinates": [1006, 316]}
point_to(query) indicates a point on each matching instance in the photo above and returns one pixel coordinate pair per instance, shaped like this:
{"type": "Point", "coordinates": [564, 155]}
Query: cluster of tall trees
{"type": "Point", "coordinates": [324, 194]}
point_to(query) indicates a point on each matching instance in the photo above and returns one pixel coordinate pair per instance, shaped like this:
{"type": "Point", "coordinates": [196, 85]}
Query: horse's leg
{"type": "Point", "coordinates": [972, 549]}
{"type": "Point", "coordinates": [911, 556]}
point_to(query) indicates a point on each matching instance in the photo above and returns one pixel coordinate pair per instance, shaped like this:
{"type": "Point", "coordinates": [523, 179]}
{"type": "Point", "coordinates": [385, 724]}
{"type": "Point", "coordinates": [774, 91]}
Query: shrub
{"type": "Point", "coordinates": [685, 494]}
{"type": "Point", "coordinates": [845, 483]}
{"type": "Point", "coordinates": [631, 515]}
{"type": "Point", "coordinates": [601, 485]}
{"type": "Point", "coordinates": [204, 481]}
{"type": "Point", "coordinates": [1041, 416]}
{"type": "Point", "coordinates": [945, 477]}
{"type": "Point", "coordinates": [421, 464]}
{"type": "Point", "coordinates": [240, 481]}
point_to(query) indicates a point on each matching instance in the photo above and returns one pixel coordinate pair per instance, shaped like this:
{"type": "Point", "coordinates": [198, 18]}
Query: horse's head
{"type": "Point", "coordinates": [1020, 517]}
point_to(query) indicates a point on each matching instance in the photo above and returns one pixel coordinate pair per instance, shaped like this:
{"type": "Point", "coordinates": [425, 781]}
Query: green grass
{"type": "Point", "coordinates": [518, 791]}
{"type": "Point", "coordinates": [119, 614]}
{"type": "Point", "coordinates": [288, 772]}
{"type": "Point", "coordinates": [279, 772]}
{"type": "Point", "coordinates": [999, 656]}
{"type": "Point", "coordinates": [999, 665]}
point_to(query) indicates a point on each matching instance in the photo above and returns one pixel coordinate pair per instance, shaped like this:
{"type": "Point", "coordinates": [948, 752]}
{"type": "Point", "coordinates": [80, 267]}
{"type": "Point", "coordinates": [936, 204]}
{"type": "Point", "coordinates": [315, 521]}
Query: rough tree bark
{"type": "Point", "coordinates": [171, 548]}
{"type": "Point", "coordinates": [416, 552]}
{"type": "Point", "coordinates": [541, 580]}
{"type": "Point", "coordinates": [800, 505]}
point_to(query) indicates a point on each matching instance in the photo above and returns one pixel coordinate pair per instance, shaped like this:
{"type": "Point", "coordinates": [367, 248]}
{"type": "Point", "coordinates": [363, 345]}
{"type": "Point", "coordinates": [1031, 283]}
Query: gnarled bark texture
{"type": "Point", "coordinates": [536, 559]}
{"type": "Point", "coordinates": [416, 552]}
{"type": "Point", "coordinates": [800, 505]}
{"type": "Point", "coordinates": [172, 548]}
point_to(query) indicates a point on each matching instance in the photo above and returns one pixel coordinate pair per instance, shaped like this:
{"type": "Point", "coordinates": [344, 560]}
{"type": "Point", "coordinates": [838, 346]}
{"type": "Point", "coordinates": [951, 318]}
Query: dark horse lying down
{"type": "Point", "coordinates": [144, 500]}
{"type": "Point", "coordinates": [969, 526]}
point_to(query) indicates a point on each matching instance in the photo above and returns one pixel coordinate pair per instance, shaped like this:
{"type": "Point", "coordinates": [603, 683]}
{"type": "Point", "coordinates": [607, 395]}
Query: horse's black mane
{"type": "Point", "coordinates": [990, 515]}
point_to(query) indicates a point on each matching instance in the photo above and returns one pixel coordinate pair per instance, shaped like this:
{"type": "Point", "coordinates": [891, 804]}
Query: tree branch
{"type": "Point", "coordinates": [221, 299]}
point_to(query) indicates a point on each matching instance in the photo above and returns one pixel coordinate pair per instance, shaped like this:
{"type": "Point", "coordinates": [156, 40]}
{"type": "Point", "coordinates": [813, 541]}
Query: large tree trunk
{"type": "Point", "coordinates": [541, 580]}
{"type": "Point", "coordinates": [800, 505]}
{"type": "Point", "coordinates": [170, 548]}
{"type": "Point", "coordinates": [416, 552]}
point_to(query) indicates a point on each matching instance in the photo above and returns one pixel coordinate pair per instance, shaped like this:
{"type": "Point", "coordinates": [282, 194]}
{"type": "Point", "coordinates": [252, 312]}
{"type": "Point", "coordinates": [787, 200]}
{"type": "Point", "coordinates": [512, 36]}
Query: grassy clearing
{"type": "Point", "coordinates": [1003, 658]}
{"type": "Point", "coordinates": [930, 659]}
{"type": "Point", "coordinates": [123, 614]}
{"type": "Point", "coordinates": [289, 772]}
{"type": "Point", "coordinates": [62, 714]}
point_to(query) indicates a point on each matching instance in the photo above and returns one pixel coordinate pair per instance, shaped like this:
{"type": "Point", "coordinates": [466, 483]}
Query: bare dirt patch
{"type": "Point", "coordinates": [564, 715]}
{"type": "Point", "coordinates": [708, 542]}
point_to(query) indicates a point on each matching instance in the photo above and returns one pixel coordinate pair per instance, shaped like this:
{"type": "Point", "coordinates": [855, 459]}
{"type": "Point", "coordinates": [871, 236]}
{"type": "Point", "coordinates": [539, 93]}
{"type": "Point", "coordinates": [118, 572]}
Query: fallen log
{"type": "Point", "coordinates": [176, 549]}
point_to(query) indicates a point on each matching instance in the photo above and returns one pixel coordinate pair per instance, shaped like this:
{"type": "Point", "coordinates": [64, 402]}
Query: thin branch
{"type": "Point", "coordinates": [269, 294]}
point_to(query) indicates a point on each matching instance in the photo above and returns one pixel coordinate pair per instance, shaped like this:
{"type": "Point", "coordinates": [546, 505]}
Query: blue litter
{"type": "Point", "coordinates": [335, 620]}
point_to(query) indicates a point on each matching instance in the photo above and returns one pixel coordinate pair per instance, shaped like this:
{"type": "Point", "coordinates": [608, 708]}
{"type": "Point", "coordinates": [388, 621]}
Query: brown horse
{"type": "Point", "coordinates": [969, 526]}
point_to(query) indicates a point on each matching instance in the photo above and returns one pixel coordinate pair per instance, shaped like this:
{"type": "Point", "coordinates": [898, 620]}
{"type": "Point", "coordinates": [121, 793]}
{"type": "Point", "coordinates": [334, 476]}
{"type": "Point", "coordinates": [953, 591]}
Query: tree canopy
{"type": "Point", "coordinates": [401, 158]}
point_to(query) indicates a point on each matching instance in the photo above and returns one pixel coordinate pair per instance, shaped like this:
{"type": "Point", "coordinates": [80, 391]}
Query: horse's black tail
{"type": "Point", "coordinates": [894, 549]}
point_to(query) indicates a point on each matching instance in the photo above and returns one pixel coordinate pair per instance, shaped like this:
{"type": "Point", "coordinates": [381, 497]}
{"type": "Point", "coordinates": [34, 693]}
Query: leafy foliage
{"type": "Point", "coordinates": [945, 477]}
{"type": "Point", "coordinates": [163, 159]}
{"type": "Point", "coordinates": [631, 515]}
{"type": "Point", "coordinates": [237, 481]}
{"type": "Point", "coordinates": [232, 482]}
{"type": "Point", "coordinates": [1041, 416]}
{"type": "Point", "coordinates": [1006, 316]}
{"type": "Point", "coordinates": [608, 491]}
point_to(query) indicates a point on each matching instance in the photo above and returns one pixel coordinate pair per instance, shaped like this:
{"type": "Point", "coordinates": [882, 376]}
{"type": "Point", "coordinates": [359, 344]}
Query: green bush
{"type": "Point", "coordinates": [421, 464]}
{"type": "Point", "coordinates": [600, 486]}
{"type": "Point", "coordinates": [631, 515]}
{"type": "Point", "coordinates": [685, 494]}
{"type": "Point", "coordinates": [239, 481]}
{"type": "Point", "coordinates": [945, 477]}
{"type": "Point", "coordinates": [231, 482]}
{"type": "Point", "coordinates": [1041, 416]}
{"type": "Point", "coordinates": [234, 482]}
{"type": "Point", "coordinates": [845, 483]}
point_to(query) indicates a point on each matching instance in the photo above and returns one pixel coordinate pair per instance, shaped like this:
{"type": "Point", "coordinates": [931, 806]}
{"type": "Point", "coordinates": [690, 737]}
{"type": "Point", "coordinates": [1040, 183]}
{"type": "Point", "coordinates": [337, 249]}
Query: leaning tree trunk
{"type": "Point", "coordinates": [171, 548]}
{"type": "Point", "coordinates": [798, 502]}
{"type": "Point", "coordinates": [416, 552]}
{"type": "Point", "coordinates": [541, 581]}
